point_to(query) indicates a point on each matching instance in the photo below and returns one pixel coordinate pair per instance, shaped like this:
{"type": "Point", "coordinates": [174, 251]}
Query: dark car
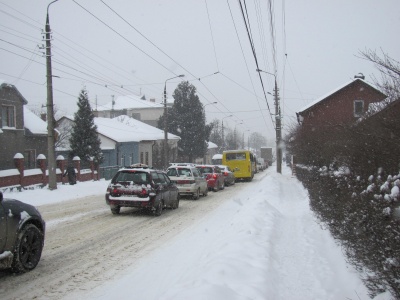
{"type": "Point", "coordinates": [22, 231]}
{"type": "Point", "coordinates": [142, 187]}
{"type": "Point", "coordinates": [228, 175]}
{"type": "Point", "coordinates": [213, 175]}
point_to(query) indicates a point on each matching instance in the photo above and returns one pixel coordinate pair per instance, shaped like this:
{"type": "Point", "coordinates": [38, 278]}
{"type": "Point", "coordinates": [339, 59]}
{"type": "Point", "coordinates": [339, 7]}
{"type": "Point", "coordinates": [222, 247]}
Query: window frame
{"type": "Point", "coordinates": [6, 118]}
{"type": "Point", "coordinates": [355, 112]}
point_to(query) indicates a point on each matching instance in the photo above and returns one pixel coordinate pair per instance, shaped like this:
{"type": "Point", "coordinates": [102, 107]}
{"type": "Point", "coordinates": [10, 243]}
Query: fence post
{"type": "Point", "coordinates": [19, 164]}
{"type": "Point", "coordinates": [77, 165]}
{"type": "Point", "coordinates": [41, 162]}
{"type": "Point", "coordinates": [92, 167]}
{"type": "Point", "coordinates": [61, 163]}
{"type": "Point", "coordinates": [293, 162]}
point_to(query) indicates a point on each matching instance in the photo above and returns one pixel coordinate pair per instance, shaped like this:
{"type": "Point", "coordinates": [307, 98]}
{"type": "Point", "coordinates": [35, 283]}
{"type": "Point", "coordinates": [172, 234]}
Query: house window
{"type": "Point", "coordinates": [8, 116]}
{"type": "Point", "coordinates": [141, 158]}
{"type": "Point", "coordinates": [358, 108]}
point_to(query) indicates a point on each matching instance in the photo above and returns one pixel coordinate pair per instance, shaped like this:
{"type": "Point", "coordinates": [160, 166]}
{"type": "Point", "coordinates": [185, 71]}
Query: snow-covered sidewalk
{"type": "Point", "coordinates": [264, 243]}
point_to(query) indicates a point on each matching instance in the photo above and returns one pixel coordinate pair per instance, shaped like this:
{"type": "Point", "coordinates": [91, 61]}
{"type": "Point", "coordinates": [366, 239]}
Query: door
{"type": "Point", "coordinates": [172, 188]}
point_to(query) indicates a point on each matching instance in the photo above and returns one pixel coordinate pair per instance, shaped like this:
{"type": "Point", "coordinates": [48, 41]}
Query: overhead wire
{"type": "Point", "coordinates": [212, 36]}
{"type": "Point", "coordinates": [256, 61]}
{"type": "Point", "coordinates": [185, 69]}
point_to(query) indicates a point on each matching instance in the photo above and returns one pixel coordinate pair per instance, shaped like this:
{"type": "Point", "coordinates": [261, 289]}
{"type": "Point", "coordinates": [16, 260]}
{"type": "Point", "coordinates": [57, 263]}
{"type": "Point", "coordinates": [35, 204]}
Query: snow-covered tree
{"type": "Point", "coordinates": [186, 119]}
{"type": "Point", "coordinates": [84, 140]}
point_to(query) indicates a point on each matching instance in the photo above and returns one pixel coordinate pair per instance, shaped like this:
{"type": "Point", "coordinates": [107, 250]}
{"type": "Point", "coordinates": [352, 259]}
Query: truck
{"type": "Point", "coordinates": [266, 154]}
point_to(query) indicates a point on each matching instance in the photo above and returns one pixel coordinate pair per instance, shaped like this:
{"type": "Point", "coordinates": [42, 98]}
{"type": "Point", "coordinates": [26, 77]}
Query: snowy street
{"type": "Point", "coordinates": [254, 240]}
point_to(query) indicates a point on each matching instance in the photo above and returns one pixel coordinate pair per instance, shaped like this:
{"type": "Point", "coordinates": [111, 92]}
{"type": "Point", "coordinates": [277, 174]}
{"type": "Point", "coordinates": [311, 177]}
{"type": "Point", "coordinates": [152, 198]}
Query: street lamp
{"type": "Point", "coordinates": [277, 124]}
{"type": "Point", "coordinates": [223, 140]}
{"type": "Point", "coordinates": [209, 104]}
{"type": "Point", "coordinates": [166, 122]}
{"type": "Point", "coordinates": [50, 110]}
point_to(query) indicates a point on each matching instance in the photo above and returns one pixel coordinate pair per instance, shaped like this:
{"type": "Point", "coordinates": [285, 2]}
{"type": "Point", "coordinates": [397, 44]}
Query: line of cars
{"type": "Point", "coordinates": [153, 190]}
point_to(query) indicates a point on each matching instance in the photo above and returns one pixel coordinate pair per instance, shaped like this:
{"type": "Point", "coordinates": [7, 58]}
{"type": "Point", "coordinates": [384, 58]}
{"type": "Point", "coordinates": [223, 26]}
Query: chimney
{"type": "Point", "coordinates": [360, 76]}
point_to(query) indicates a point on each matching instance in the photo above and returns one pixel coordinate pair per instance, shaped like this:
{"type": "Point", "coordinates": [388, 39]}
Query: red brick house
{"type": "Point", "coordinates": [344, 105]}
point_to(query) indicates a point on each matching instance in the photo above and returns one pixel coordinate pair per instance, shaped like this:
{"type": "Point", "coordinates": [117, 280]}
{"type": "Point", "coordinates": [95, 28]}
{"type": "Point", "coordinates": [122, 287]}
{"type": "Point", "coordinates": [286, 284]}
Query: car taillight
{"type": "Point", "coordinates": [115, 190]}
{"type": "Point", "coordinates": [143, 192]}
{"type": "Point", "coordinates": [226, 173]}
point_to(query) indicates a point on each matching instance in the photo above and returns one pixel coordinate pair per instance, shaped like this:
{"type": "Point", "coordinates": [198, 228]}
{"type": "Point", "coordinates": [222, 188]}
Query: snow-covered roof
{"type": "Point", "coordinates": [33, 123]}
{"type": "Point", "coordinates": [211, 145]}
{"type": "Point", "coordinates": [125, 129]}
{"type": "Point", "coordinates": [143, 131]}
{"type": "Point", "coordinates": [311, 104]}
{"type": "Point", "coordinates": [128, 102]}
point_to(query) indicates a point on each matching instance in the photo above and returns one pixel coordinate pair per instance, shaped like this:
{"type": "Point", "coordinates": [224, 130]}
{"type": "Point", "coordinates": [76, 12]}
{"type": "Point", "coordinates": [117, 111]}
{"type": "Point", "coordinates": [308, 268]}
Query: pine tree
{"type": "Point", "coordinates": [84, 140]}
{"type": "Point", "coordinates": [186, 119]}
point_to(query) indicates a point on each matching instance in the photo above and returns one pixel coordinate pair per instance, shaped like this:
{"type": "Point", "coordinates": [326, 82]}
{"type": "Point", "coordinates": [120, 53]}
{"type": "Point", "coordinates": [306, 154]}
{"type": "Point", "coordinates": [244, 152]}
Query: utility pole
{"type": "Point", "coordinates": [166, 155]}
{"type": "Point", "coordinates": [223, 139]}
{"type": "Point", "coordinates": [50, 109]}
{"type": "Point", "coordinates": [278, 130]}
{"type": "Point", "coordinates": [278, 125]}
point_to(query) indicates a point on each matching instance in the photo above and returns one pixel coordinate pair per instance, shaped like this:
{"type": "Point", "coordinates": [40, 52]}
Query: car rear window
{"type": "Point", "coordinates": [132, 176]}
{"type": "Point", "coordinates": [206, 170]}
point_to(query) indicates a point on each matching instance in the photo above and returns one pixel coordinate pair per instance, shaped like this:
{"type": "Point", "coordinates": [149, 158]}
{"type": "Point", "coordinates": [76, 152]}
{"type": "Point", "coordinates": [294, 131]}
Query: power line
{"type": "Point", "coordinates": [255, 57]}
{"type": "Point", "coordinates": [212, 37]}
{"type": "Point", "coordinates": [124, 38]}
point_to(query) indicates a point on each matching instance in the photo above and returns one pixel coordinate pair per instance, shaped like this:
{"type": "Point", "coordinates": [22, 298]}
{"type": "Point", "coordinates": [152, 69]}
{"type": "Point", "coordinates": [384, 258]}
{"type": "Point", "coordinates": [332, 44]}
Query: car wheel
{"type": "Point", "coordinates": [176, 203]}
{"type": "Point", "coordinates": [196, 195]}
{"type": "Point", "coordinates": [28, 249]}
{"type": "Point", "coordinates": [233, 182]}
{"type": "Point", "coordinates": [205, 192]}
{"type": "Point", "coordinates": [159, 209]}
{"type": "Point", "coordinates": [115, 210]}
{"type": "Point", "coordinates": [216, 188]}
{"type": "Point", "coordinates": [222, 186]}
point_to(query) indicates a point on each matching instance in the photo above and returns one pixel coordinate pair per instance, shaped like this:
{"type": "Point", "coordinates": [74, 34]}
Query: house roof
{"type": "Point", "coordinates": [212, 145]}
{"type": "Point", "coordinates": [33, 123]}
{"type": "Point", "coordinates": [125, 129]}
{"type": "Point", "coordinates": [3, 83]}
{"type": "Point", "coordinates": [129, 102]}
{"type": "Point", "coordinates": [143, 131]}
{"type": "Point", "coordinates": [315, 102]}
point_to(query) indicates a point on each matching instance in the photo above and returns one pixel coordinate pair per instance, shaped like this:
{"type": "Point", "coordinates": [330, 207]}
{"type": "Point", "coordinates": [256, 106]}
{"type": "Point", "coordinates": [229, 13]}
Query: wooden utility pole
{"type": "Point", "coordinates": [50, 109]}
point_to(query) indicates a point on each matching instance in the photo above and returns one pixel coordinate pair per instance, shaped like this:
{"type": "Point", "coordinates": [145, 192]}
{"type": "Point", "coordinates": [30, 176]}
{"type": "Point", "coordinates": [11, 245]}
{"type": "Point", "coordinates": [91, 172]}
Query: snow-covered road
{"type": "Point", "coordinates": [254, 240]}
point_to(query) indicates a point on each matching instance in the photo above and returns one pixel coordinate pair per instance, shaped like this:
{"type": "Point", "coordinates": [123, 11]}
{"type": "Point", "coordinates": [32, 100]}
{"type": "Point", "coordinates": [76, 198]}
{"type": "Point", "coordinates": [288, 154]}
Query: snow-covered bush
{"type": "Point", "coordinates": [364, 215]}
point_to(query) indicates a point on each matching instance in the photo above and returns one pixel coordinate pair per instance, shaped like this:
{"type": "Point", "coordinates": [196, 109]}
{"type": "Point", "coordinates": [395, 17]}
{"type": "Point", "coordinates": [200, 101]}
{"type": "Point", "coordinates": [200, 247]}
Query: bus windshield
{"type": "Point", "coordinates": [236, 156]}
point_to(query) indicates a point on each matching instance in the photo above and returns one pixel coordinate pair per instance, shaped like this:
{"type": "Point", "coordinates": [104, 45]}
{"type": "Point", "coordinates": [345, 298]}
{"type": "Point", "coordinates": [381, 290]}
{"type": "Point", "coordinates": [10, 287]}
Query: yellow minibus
{"type": "Point", "coordinates": [241, 162]}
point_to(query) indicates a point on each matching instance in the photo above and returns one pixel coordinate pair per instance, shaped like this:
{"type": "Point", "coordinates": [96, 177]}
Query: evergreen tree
{"type": "Point", "coordinates": [216, 133]}
{"type": "Point", "coordinates": [84, 140]}
{"type": "Point", "coordinates": [186, 119]}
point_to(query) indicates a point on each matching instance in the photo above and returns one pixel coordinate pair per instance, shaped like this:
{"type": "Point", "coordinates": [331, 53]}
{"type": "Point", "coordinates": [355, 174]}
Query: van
{"type": "Point", "coordinates": [242, 162]}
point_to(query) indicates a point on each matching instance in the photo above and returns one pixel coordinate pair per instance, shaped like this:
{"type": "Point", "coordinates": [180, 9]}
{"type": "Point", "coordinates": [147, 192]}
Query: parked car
{"type": "Point", "coordinates": [141, 187]}
{"type": "Point", "coordinates": [22, 231]}
{"type": "Point", "coordinates": [260, 164]}
{"type": "Point", "coordinates": [188, 180]}
{"type": "Point", "coordinates": [228, 175]}
{"type": "Point", "coordinates": [213, 175]}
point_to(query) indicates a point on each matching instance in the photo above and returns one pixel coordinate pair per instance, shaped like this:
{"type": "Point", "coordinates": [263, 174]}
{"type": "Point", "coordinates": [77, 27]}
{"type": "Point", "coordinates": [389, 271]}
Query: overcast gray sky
{"type": "Point", "coordinates": [132, 47]}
